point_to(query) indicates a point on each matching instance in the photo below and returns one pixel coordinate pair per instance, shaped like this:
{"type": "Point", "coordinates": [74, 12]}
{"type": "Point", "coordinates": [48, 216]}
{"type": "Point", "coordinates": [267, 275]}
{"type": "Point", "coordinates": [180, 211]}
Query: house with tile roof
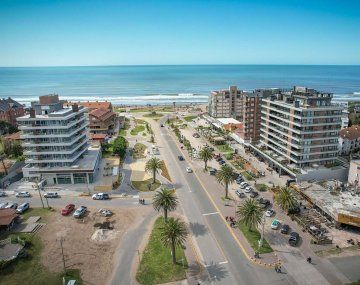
{"type": "Point", "coordinates": [10, 110]}
{"type": "Point", "coordinates": [349, 140]}
{"type": "Point", "coordinates": [102, 121]}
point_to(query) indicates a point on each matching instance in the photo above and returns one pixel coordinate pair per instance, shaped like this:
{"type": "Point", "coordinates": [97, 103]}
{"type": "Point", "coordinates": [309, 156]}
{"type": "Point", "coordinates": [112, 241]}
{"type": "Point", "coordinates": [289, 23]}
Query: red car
{"type": "Point", "coordinates": [68, 209]}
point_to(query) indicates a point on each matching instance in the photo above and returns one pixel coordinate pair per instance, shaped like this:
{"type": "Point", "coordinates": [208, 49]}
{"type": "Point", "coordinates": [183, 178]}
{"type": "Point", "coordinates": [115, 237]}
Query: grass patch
{"type": "Point", "coordinates": [30, 271]}
{"type": "Point", "coordinates": [164, 171]}
{"type": "Point", "coordinates": [189, 118]}
{"type": "Point", "coordinates": [139, 150]}
{"type": "Point", "coordinates": [139, 121]}
{"type": "Point", "coordinates": [336, 250]}
{"type": "Point", "coordinates": [156, 265]}
{"type": "Point", "coordinates": [137, 129]}
{"type": "Point", "coordinates": [253, 238]}
{"type": "Point", "coordinates": [153, 115]}
{"type": "Point", "coordinates": [261, 187]}
{"type": "Point", "coordinates": [42, 212]}
{"type": "Point", "coordinates": [225, 148]}
{"type": "Point", "coordinates": [143, 185]}
{"type": "Point", "coordinates": [247, 176]}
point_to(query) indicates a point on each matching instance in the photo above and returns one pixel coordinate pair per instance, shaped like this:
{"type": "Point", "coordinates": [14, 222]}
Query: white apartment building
{"type": "Point", "coordinates": [349, 140]}
{"type": "Point", "coordinates": [226, 103]}
{"type": "Point", "coordinates": [56, 144]}
{"type": "Point", "coordinates": [301, 127]}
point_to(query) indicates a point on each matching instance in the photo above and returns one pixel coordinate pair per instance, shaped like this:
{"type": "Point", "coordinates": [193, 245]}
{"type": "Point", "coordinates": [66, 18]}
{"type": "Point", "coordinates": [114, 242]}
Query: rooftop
{"type": "Point", "coordinates": [91, 105]}
{"type": "Point", "coordinates": [350, 133]}
{"type": "Point", "coordinates": [226, 121]}
{"type": "Point", "coordinates": [102, 114]}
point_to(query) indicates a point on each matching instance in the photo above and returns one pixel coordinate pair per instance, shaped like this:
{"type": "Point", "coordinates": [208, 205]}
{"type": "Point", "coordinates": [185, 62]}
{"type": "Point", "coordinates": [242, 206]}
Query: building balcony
{"type": "Point", "coordinates": [64, 135]}
{"type": "Point", "coordinates": [52, 126]}
{"type": "Point", "coordinates": [50, 152]}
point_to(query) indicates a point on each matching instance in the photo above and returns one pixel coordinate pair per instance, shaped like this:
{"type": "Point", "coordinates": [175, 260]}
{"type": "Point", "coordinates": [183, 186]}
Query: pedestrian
{"type": "Point", "coordinates": [276, 268]}
{"type": "Point", "coordinates": [227, 218]}
{"type": "Point", "coordinates": [279, 269]}
{"type": "Point", "coordinates": [143, 201]}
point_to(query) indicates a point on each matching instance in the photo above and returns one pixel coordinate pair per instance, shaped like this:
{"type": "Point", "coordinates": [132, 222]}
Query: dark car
{"type": "Point", "coordinates": [285, 229]}
{"type": "Point", "coordinates": [294, 238]}
{"type": "Point", "coordinates": [239, 180]}
{"type": "Point", "coordinates": [254, 194]}
{"type": "Point", "coordinates": [235, 175]}
{"type": "Point", "coordinates": [294, 211]}
{"type": "Point", "coordinates": [162, 125]}
{"type": "Point", "coordinates": [221, 162]}
{"type": "Point", "coordinates": [212, 171]}
{"type": "Point", "coordinates": [263, 202]}
{"type": "Point", "coordinates": [218, 158]}
{"type": "Point", "coordinates": [240, 194]}
{"type": "Point", "coordinates": [180, 157]}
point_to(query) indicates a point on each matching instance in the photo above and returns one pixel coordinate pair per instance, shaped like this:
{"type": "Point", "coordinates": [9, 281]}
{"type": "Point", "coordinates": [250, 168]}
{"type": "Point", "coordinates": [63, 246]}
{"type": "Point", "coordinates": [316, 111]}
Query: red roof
{"type": "Point", "coordinates": [98, 136]}
{"type": "Point", "coordinates": [102, 114]}
{"type": "Point", "coordinates": [350, 133]}
{"type": "Point", "coordinates": [7, 216]}
{"type": "Point", "coordinates": [91, 105]}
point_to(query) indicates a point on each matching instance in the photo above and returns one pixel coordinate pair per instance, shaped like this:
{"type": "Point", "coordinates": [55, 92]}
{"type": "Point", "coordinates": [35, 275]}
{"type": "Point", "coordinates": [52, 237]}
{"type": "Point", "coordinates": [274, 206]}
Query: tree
{"type": "Point", "coordinates": [153, 165]}
{"type": "Point", "coordinates": [206, 154]}
{"type": "Point", "coordinates": [225, 176]}
{"type": "Point", "coordinates": [174, 234]}
{"type": "Point", "coordinates": [249, 213]}
{"type": "Point", "coordinates": [165, 200]}
{"type": "Point", "coordinates": [286, 199]}
{"type": "Point", "coordinates": [119, 146]}
{"type": "Point", "coordinates": [7, 128]}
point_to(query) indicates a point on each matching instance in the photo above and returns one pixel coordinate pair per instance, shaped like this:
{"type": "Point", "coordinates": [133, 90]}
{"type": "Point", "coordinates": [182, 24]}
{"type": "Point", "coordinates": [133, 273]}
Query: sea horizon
{"type": "Point", "coordinates": [165, 84]}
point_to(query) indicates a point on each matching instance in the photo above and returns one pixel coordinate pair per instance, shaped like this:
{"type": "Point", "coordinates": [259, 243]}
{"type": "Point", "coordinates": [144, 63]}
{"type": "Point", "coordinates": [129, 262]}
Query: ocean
{"type": "Point", "coordinates": [138, 85]}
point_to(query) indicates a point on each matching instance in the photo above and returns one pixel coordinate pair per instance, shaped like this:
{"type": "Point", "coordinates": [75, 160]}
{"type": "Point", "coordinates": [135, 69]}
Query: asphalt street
{"type": "Point", "coordinates": [224, 261]}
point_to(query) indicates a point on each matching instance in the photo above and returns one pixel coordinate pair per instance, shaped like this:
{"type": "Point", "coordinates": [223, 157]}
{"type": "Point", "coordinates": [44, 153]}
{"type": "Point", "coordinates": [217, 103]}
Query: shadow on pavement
{"type": "Point", "coordinates": [214, 272]}
{"type": "Point", "coordinates": [198, 229]}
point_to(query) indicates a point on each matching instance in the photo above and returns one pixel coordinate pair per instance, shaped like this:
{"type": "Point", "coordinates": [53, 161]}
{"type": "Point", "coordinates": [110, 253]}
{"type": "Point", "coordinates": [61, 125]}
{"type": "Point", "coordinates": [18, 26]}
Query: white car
{"type": "Point", "coordinates": [22, 208]}
{"type": "Point", "coordinates": [23, 194]}
{"type": "Point", "coordinates": [188, 169]}
{"type": "Point", "coordinates": [248, 189]}
{"type": "Point", "coordinates": [105, 212]}
{"type": "Point", "coordinates": [101, 196]}
{"type": "Point", "coordinates": [11, 205]}
{"type": "Point", "coordinates": [51, 195]}
{"type": "Point", "coordinates": [269, 213]}
{"type": "Point", "coordinates": [243, 184]}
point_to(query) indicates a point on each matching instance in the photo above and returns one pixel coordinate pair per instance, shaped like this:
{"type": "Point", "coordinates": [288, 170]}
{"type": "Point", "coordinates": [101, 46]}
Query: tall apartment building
{"type": "Point", "coordinates": [226, 103]}
{"type": "Point", "coordinates": [56, 143]}
{"type": "Point", "coordinates": [301, 126]}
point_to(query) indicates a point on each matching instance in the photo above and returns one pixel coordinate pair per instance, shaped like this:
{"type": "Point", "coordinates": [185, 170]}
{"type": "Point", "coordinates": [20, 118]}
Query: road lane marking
{"type": "Point", "coordinates": [224, 262]}
{"type": "Point", "coordinates": [213, 213]}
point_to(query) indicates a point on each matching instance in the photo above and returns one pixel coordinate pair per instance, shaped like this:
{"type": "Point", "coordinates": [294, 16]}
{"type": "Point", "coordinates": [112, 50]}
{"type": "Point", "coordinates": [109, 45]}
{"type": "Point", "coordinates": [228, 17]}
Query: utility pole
{"type": "Point", "coordinates": [38, 188]}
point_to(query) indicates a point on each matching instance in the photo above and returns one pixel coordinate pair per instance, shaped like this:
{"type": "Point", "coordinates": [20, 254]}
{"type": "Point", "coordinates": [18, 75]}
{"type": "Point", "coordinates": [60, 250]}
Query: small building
{"type": "Point", "coordinates": [229, 124]}
{"type": "Point", "coordinates": [13, 137]}
{"type": "Point", "coordinates": [10, 110]}
{"type": "Point", "coordinates": [8, 218]}
{"type": "Point", "coordinates": [101, 138]}
{"type": "Point", "coordinates": [102, 121]}
{"type": "Point", "coordinates": [349, 140]}
{"type": "Point", "coordinates": [354, 172]}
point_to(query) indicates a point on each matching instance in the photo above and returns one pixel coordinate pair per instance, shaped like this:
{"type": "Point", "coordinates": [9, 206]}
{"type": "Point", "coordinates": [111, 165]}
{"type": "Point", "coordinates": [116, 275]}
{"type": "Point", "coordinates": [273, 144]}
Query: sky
{"type": "Point", "coordinates": [134, 32]}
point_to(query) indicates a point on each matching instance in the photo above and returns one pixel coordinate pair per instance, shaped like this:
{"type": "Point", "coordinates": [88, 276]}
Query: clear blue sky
{"type": "Point", "coordinates": [107, 32]}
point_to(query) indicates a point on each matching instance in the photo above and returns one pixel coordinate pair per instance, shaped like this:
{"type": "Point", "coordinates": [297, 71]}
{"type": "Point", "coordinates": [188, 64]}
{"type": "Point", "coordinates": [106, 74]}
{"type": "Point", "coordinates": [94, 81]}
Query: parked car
{"type": "Point", "coordinates": [3, 205]}
{"type": "Point", "coordinates": [105, 212]}
{"type": "Point", "coordinates": [218, 158]}
{"type": "Point", "coordinates": [22, 208]}
{"type": "Point", "coordinates": [294, 238]}
{"type": "Point", "coordinates": [2, 194]}
{"type": "Point", "coordinates": [270, 213]}
{"type": "Point", "coordinates": [221, 162]}
{"type": "Point", "coordinates": [235, 175]}
{"type": "Point", "coordinates": [212, 171]}
{"type": "Point", "coordinates": [285, 229]}
{"type": "Point", "coordinates": [196, 135]}
{"type": "Point", "coordinates": [162, 125]}
{"type": "Point", "coordinates": [101, 196]}
{"type": "Point", "coordinates": [264, 203]}
{"type": "Point", "coordinates": [275, 224]}
{"type": "Point", "coordinates": [240, 194]}
{"type": "Point", "coordinates": [11, 205]}
{"type": "Point", "coordinates": [188, 169]}
{"type": "Point", "coordinates": [254, 194]}
{"type": "Point", "coordinates": [180, 157]}
{"type": "Point", "coordinates": [69, 208]}
{"type": "Point", "coordinates": [80, 212]}
{"type": "Point", "coordinates": [51, 195]}
{"type": "Point", "coordinates": [23, 194]}
{"type": "Point", "coordinates": [294, 211]}
{"type": "Point", "coordinates": [248, 189]}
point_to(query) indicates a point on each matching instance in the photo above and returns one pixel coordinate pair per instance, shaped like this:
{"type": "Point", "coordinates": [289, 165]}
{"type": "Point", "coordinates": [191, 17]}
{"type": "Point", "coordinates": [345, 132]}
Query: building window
{"type": "Point", "coordinates": [79, 178]}
{"type": "Point", "coordinates": [63, 178]}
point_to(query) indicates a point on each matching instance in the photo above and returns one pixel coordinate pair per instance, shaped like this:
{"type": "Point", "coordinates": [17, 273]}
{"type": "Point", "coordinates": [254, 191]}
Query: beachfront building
{"type": "Point", "coordinates": [226, 103]}
{"type": "Point", "coordinates": [349, 140]}
{"type": "Point", "coordinates": [102, 121]}
{"type": "Point", "coordinates": [301, 127]}
{"type": "Point", "coordinates": [10, 110]}
{"type": "Point", "coordinates": [55, 142]}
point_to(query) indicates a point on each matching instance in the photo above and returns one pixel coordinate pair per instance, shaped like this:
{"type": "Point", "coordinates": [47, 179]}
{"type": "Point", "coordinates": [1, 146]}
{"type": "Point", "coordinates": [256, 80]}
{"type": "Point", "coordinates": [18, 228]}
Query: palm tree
{"type": "Point", "coordinates": [165, 200]}
{"type": "Point", "coordinates": [153, 165]}
{"type": "Point", "coordinates": [206, 154]}
{"type": "Point", "coordinates": [249, 213]}
{"type": "Point", "coordinates": [286, 199]}
{"type": "Point", "coordinates": [225, 176]}
{"type": "Point", "coordinates": [174, 234]}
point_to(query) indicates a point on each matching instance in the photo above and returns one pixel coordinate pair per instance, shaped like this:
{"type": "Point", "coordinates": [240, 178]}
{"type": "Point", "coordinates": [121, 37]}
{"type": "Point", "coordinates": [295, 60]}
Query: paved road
{"type": "Point", "coordinates": [224, 261]}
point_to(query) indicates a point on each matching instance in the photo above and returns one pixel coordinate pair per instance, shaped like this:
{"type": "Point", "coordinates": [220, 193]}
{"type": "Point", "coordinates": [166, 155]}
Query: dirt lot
{"type": "Point", "coordinates": [86, 246]}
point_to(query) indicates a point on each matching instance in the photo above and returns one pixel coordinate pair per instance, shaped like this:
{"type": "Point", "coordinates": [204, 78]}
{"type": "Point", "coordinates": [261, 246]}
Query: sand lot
{"type": "Point", "coordinates": [86, 247]}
